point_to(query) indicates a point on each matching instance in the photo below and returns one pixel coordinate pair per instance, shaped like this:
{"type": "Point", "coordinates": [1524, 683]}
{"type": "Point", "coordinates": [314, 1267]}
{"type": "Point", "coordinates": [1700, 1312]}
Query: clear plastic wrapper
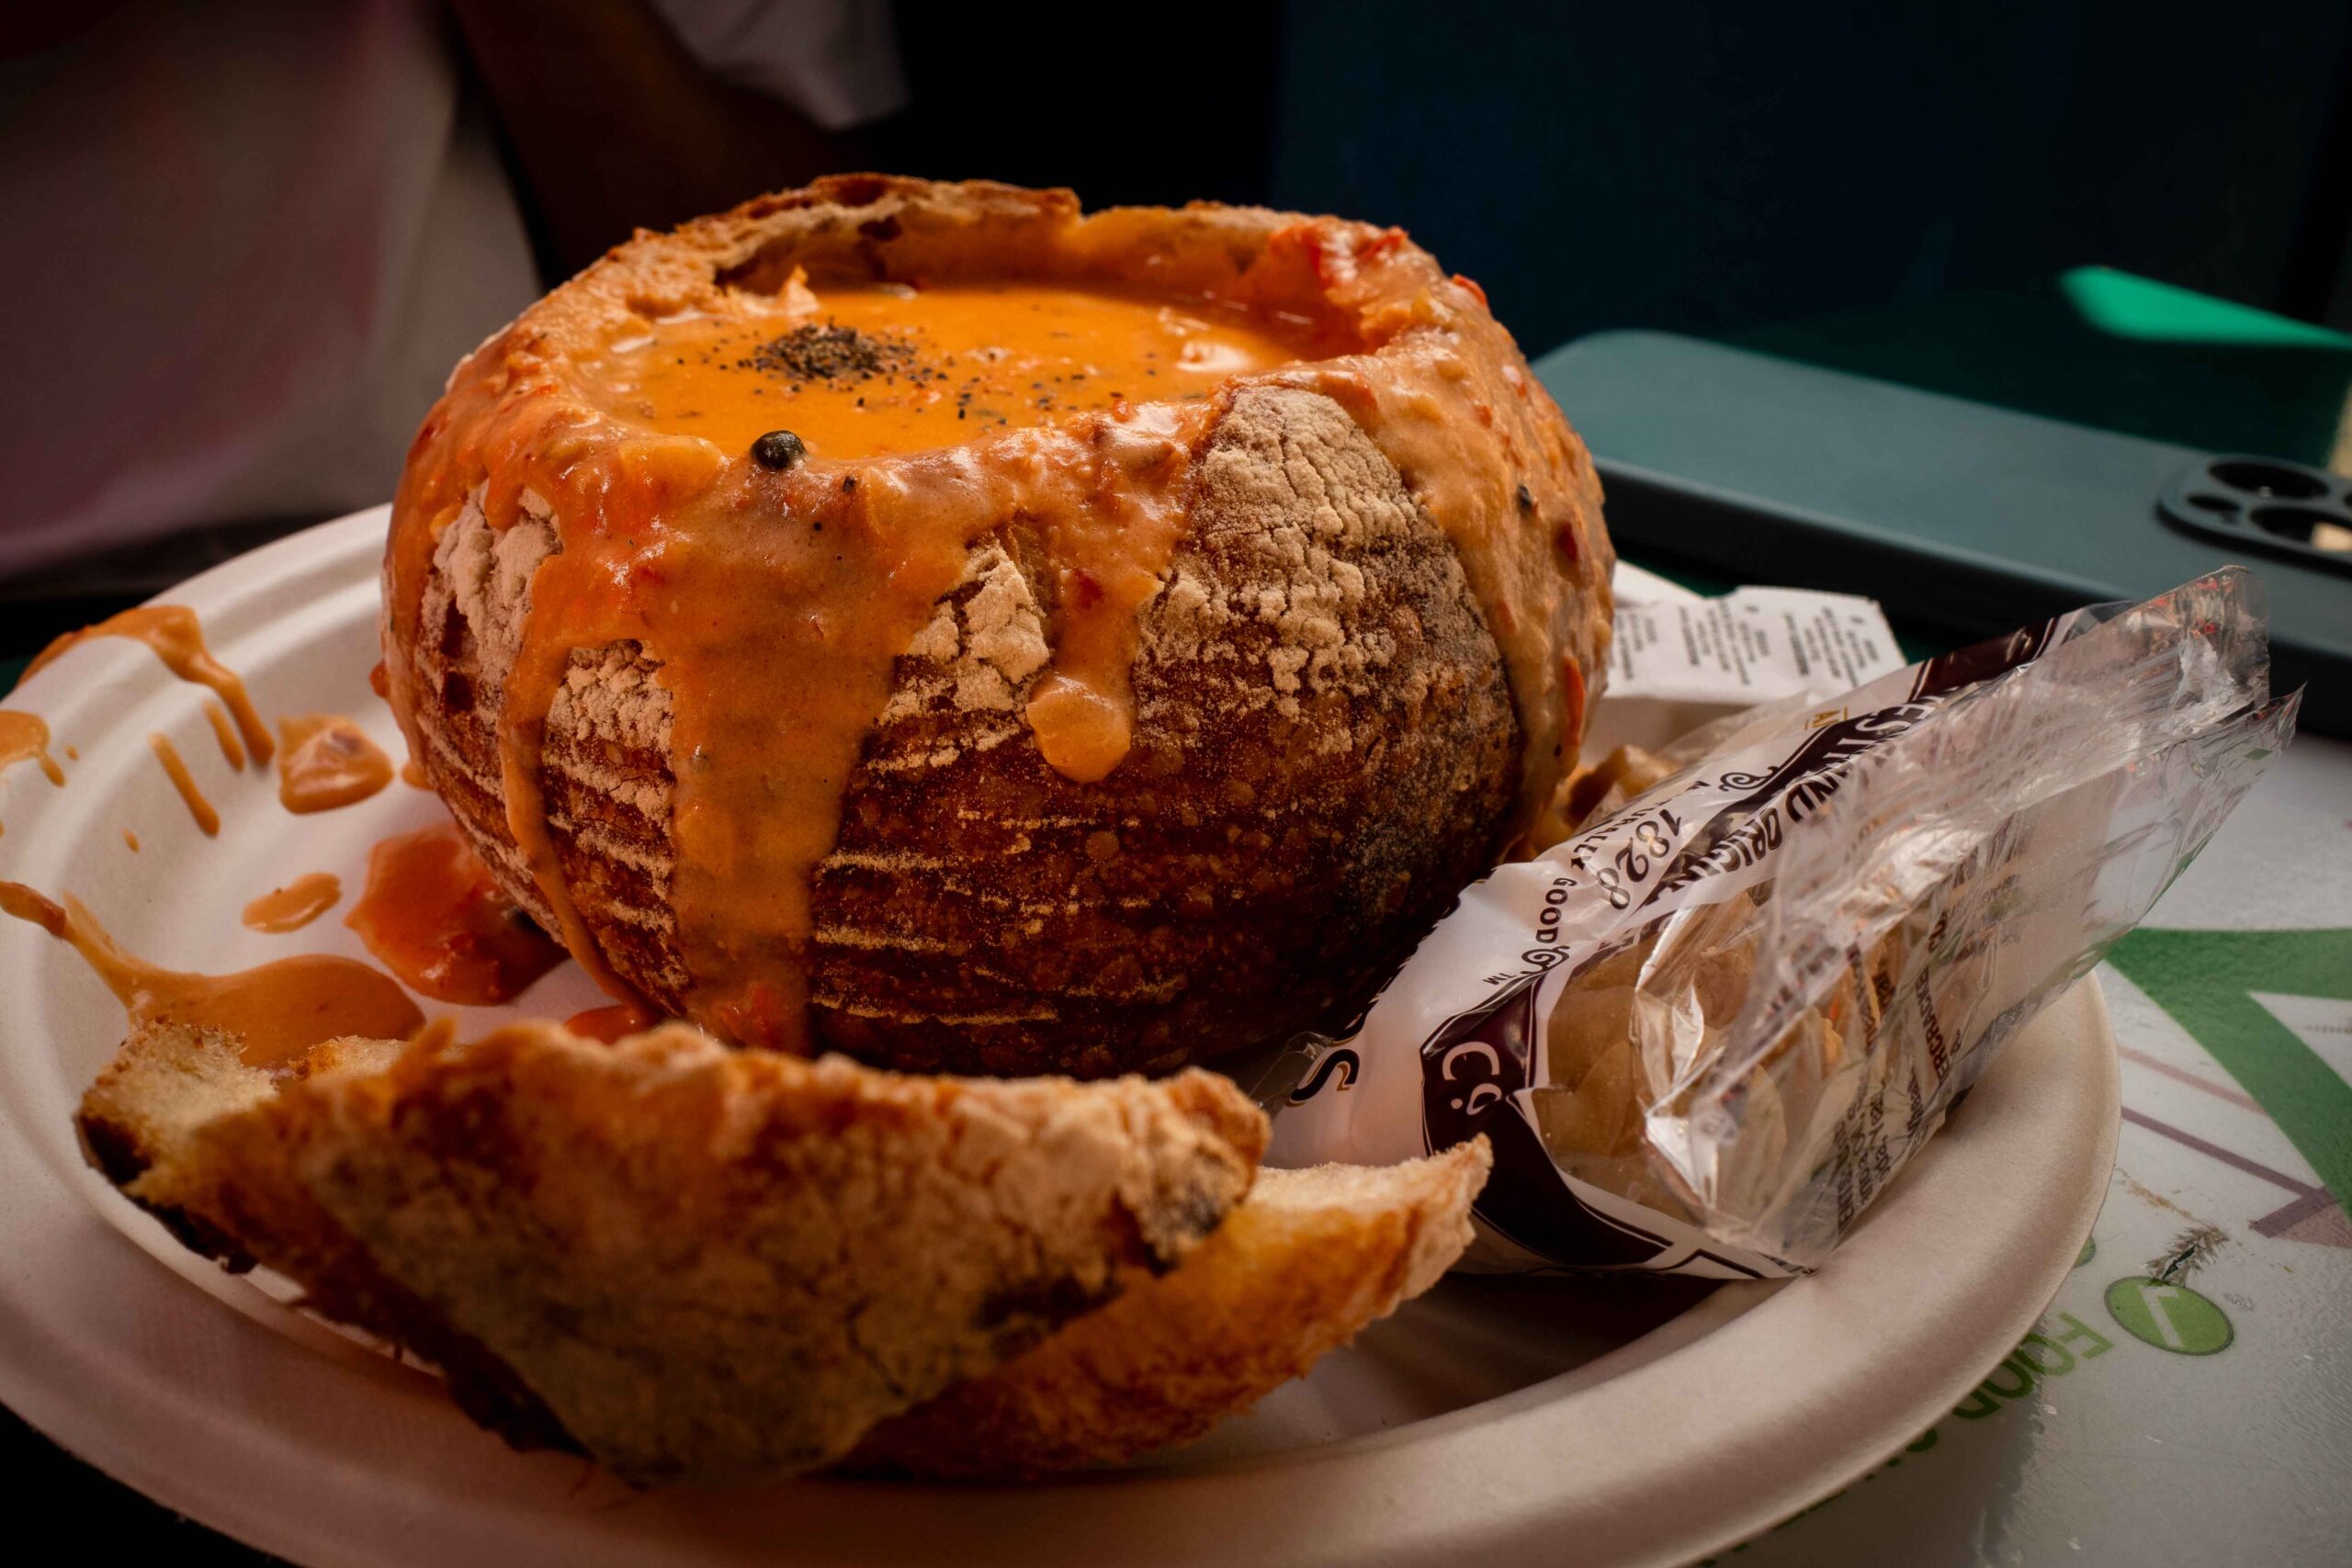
{"type": "Point", "coordinates": [1706, 1030]}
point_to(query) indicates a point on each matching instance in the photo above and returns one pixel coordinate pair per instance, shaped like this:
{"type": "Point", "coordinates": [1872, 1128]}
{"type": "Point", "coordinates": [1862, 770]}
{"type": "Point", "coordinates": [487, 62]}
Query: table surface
{"type": "Point", "coordinates": [2189, 1395]}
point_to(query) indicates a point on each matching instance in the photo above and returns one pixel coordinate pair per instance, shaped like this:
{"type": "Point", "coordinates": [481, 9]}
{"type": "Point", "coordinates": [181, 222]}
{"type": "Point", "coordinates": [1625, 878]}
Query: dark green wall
{"type": "Point", "coordinates": [1709, 167]}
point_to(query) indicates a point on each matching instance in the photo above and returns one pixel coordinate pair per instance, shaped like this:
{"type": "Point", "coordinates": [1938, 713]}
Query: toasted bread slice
{"type": "Point", "coordinates": [1299, 1269]}
{"type": "Point", "coordinates": [678, 1259]}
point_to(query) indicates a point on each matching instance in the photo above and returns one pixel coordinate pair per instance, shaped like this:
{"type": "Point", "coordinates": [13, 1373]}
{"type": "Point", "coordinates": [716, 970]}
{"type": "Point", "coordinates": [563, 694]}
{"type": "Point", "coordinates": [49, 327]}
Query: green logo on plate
{"type": "Point", "coordinates": [2171, 1317]}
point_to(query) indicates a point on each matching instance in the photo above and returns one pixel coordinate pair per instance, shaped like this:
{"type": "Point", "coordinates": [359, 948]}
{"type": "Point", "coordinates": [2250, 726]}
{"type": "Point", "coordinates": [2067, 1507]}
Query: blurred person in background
{"type": "Point", "coordinates": [248, 240]}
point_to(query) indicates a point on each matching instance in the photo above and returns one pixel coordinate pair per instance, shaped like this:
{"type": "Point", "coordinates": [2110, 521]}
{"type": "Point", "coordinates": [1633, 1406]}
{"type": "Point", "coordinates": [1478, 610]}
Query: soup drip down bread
{"type": "Point", "coordinates": [1000, 719]}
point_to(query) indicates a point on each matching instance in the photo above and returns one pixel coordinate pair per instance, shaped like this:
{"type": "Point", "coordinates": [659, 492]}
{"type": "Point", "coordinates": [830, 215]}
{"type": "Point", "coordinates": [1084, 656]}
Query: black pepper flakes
{"type": "Point", "coordinates": [1526, 499]}
{"type": "Point", "coordinates": [829, 351]}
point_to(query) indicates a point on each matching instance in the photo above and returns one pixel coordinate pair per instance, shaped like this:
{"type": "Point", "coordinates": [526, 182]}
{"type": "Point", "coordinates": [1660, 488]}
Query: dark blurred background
{"type": "Point", "coordinates": [1704, 167]}
{"type": "Point", "coordinates": [1895, 190]}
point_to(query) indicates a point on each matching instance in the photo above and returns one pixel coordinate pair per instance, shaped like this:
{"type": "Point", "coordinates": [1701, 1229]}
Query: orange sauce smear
{"type": "Point", "coordinates": [947, 364]}
{"type": "Point", "coordinates": [328, 762]}
{"type": "Point", "coordinates": [294, 906]}
{"type": "Point", "coordinates": [172, 633]}
{"type": "Point", "coordinates": [207, 819]}
{"type": "Point", "coordinates": [232, 750]}
{"type": "Point", "coordinates": [24, 737]}
{"type": "Point", "coordinates": [130, 840]}
{"type": "Point", "coordinates": [433, 915]}
{"type": "Point", "coordinates": [279, 1009]}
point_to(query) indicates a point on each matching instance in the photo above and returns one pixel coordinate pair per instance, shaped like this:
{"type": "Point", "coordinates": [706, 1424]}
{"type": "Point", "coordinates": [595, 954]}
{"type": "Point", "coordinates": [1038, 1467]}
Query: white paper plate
{"type": "Point", "coordinates": [1496, 1421]}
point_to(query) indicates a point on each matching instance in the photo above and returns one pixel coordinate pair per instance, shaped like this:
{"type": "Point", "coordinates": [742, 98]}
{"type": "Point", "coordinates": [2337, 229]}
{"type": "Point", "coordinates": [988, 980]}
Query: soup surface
{"type": "Point", "coordinates": [864, 372]}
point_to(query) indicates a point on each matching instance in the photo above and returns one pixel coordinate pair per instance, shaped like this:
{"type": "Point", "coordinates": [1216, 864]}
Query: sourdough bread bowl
{"type": "Point", "coordinates": [923, 621]}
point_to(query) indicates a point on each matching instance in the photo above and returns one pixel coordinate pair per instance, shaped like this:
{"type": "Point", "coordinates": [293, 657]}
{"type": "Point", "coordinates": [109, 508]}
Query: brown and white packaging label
{"type": "Point", "coordinates": [1703, 1034]}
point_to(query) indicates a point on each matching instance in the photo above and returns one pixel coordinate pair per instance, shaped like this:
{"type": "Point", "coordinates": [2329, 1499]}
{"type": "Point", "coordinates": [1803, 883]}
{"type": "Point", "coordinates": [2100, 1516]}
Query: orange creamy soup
{"type": "Point", "coordinates": [294, 906]}
{"type": "Point", "coordinates": [277, 1010]}
{"type": "Point", "coordinates": [432, 914]}
{"type": "Point", "coordinates": [173, 634]}
{"type": "Point", "coordinates": [327, 762]}
{"type": "Point", "coordinates": [207, 820]}
{"type": "Point", "coordinates": [24, 737]}
{"type": "Point", "coordinates": [869, 371]}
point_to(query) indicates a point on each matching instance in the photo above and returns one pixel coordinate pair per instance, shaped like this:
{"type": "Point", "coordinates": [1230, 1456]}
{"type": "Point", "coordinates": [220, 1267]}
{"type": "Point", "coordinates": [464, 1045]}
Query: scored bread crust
{"type": "Point", "coordinates": [677, 1259]}
{"type": "Point", "coordinates": [1342, 710]}
{"type": "Point", "coordinates": [1299, 1269]}
{"type": "Point", "coordinates": [1274, 838]}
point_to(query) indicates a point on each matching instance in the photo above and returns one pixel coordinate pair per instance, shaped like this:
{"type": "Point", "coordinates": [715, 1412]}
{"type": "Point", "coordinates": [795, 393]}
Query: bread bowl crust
{"type": "Point", "coordinates": [1400, 550]}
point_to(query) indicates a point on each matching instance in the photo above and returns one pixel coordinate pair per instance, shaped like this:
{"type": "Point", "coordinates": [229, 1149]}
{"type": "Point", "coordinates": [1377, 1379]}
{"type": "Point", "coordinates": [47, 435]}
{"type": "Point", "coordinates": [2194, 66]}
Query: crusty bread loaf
{"type": "Point", "coordinates": [1271, 841]}
{"type": "Point", "coordinates": [680, 1259]}
{"type": "Point", "coordinates": [1364, 664]}
{"type": "Point", "coordinates": [1297, 1270]}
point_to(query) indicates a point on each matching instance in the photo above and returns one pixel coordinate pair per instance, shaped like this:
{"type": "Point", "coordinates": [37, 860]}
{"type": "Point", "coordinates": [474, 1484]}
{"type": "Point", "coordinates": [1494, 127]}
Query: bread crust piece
{"type": "Point", "coordinates": [682, 1260]}
{"type": "Point", "coordinates": [1296, 1271]}
{"type": "Point", "coordinates": [1370, 651]}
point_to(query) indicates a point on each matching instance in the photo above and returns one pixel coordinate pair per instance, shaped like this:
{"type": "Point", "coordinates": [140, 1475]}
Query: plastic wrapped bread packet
{"type": "Point", "coordinates": [1706, 1030]}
